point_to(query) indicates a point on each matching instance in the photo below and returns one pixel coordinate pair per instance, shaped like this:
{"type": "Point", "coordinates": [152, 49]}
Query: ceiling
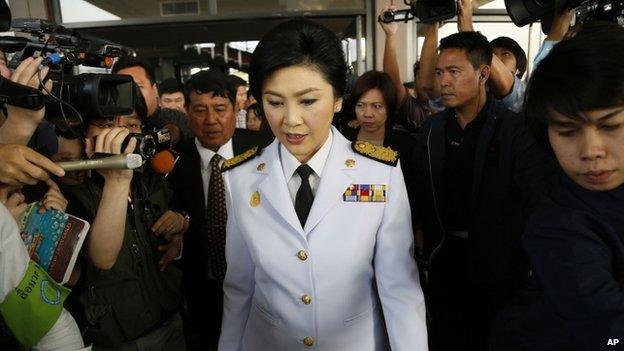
{"type": "Point", "coordinates": [152, 36]}
{"type": "Point", "coordinates": [166, 40]}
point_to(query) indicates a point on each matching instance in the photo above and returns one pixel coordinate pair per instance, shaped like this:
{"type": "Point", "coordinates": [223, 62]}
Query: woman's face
{"type": "Point", "coordinates": [590, 151]}
{"type": "Point", "coordinates": [370, 111]}
{"type": "Point", "coordinates": [299, 105]}
{"type": "Point", "coordinates": [253, 121]}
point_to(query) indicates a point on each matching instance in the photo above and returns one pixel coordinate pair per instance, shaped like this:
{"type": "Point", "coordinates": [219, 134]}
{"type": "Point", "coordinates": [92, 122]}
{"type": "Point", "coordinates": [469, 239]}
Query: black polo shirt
{"type": "Point", "coordinates": [460, 148]}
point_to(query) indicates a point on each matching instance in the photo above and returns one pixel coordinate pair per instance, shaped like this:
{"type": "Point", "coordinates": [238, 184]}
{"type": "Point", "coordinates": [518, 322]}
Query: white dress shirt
{"type": "Point", "coordinates": [317, 163]}
{"type": "Point", "coordinates": [226, 151]}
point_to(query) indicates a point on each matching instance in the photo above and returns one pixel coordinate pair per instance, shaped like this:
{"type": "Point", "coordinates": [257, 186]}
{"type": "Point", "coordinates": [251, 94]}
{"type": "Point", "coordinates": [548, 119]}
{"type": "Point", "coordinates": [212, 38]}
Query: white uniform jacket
{"type": "Point", "coordinates": [325, 286]}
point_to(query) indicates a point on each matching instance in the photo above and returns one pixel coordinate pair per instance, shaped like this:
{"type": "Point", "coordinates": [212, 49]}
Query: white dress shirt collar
{"type": "Point", "coordinates": [317, 162]}
{"type": "Point", "coordinates": [226, 151]}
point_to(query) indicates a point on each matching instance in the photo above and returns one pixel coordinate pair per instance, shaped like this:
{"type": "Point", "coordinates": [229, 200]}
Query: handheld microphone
{"type": "Point", "coordinates": [129, 161]}
{"type": "Point", "coordinates": [163, 162]}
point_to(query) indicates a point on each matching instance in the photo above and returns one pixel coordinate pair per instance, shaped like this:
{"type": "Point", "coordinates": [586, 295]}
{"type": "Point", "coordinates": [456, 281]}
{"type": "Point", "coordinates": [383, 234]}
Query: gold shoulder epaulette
{"type": "Point", "coordinates": [240, 159]}
{"type": "Point", "coordinates": [378, 153]}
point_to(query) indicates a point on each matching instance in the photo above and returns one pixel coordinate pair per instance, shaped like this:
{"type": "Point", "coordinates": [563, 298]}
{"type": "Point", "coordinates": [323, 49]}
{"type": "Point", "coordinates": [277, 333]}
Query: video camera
{"type": "Point", "coordinates": [523, 12]}
{"type": "Point", "coordinates": [149, 144]}
{"type": "Point", "coordinates": [74, 98]}
{"type": "Point", "coordinates": [426, 11]}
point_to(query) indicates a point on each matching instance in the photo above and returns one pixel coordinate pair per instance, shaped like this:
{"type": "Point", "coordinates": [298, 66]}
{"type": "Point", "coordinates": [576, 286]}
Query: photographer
{"type": "Point", "coordinates": [143, 75]}
{"type": "Point", "coordinates": [128, 292]}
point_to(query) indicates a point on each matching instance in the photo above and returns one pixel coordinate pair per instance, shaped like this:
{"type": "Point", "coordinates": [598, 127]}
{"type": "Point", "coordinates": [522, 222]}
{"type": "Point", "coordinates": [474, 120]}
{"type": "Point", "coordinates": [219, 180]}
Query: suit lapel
{"type": "Point", "coordinates": [195, 180]}
{"type": "Point", "coordinates": [273, 188]}
{"type": "Point", "coordinates": [335, 179]}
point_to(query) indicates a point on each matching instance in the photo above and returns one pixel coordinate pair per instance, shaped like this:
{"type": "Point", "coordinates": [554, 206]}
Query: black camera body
{"type": "Point", "coordinates": [74, 98]}
{"type": "Point", "coordinates": [523, 12]}
{"type": "Point", "coordinates": [425, 11]}
{"type": "Point", "coordinates": [149, 144]}
{"type": "Point", "coordinates": [601, 10]}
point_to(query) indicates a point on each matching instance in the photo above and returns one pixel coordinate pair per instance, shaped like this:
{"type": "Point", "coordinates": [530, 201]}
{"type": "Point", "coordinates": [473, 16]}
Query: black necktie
{"type": "Point", "coordinates": [305, 197]}
{"type": "Point", "coordinates": [216, 217]}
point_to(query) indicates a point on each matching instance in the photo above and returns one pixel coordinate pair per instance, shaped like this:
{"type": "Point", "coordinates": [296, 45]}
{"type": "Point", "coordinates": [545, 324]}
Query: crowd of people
{"type": "Point", "coordinates": [475, 209]}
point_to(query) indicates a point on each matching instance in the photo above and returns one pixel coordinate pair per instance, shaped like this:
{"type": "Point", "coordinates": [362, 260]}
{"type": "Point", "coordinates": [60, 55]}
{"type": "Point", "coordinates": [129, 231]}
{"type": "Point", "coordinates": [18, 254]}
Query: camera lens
{"type": "Point", "coordinates": [148, 147]}
{"type": "Point", "coordinates": [387, 16]}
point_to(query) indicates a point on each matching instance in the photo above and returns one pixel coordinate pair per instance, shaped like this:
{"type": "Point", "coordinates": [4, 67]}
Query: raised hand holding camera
{"type": "Point", "coordinates": [464, 16]}
{"type": "Point", "coordinates": [22, 122]}
{"type": "Point", "coordinates": [110, 141]}
{"type": "Point", "coordinates": [424, 11]}
{"type": "Point", "coordinates": [390, 28]}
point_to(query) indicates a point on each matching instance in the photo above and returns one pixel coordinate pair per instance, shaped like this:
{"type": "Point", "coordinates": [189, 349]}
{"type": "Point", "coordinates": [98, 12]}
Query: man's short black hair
{"type": "Point", "coordinates": [476, 46]}
{"type": "Point", "coordinates": [236, 81]}
{"type": "Point", "coordinates": [299, 42]}
{"type": "Point", "coordinates": [170, 86]}
{"type": "Point", "coordinates": [515, 49]}
{"type": "Point", "coordinates": [582, 73]}
{"type": "Point", "coordinates": [210, 81]}
{"type": "Point", "coordinates": [127, 62]}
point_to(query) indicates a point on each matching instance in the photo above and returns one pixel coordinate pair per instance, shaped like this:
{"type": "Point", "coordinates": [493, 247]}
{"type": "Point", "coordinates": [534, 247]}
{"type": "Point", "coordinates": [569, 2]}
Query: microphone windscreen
{"type": "Point", "coordinates": [163, 162]}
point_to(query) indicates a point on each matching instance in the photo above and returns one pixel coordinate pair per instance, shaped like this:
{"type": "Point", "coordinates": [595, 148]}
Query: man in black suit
{"type": "Point", "coordinates": [198, 183]}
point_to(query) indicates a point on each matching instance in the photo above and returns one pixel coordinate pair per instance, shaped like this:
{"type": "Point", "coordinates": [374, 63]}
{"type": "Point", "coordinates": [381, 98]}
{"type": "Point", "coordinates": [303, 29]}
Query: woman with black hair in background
{"type": "Point", "coordinates": [575, 239]}
{"type": "Point", "coordinates": [373, 105]}
{"type": "Point", "coordinates": [319, 239]}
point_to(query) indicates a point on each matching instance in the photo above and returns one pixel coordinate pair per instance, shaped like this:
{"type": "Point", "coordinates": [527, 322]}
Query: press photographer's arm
{"type": "Point", "coordinates": [20, 123]}
{"type": "Point", "coordinates": [106, 236]}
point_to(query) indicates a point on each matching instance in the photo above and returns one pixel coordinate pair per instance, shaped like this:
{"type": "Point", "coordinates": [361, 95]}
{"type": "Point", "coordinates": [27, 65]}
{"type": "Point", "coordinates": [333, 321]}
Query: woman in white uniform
{"type": "Point", "coordinates": [319, 237]}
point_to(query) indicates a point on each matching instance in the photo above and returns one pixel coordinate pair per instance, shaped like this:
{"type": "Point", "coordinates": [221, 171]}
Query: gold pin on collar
{"type": "Point", "coordinates": [350, 163]}
{"type": "Point", "coordinates": [255, 199]}
{"type": "Point", "coordinates": [261, 167]}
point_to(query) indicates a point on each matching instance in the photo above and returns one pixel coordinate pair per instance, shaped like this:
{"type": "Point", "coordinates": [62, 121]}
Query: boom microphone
{"type": "Point", "coordinates": [129, 161]}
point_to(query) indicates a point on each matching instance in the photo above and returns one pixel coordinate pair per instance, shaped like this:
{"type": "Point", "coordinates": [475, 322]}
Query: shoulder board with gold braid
{"type": "Point", "coordinates": [240, 159]}
{"type": "Point", "coordinates": [378, 153]}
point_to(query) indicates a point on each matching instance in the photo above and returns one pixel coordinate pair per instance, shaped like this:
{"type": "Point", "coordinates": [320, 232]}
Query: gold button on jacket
{"type": "Point", "coordinates": [308, 341]}
{"type": "Point", "coordinates": [302, 255]}
{"type": "Point", "coordinates": [307, 299]}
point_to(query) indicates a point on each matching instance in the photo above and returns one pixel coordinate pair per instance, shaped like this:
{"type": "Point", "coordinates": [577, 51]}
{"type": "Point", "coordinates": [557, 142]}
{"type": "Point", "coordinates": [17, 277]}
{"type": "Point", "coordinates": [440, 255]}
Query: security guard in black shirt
{"type": "Point", "coordinates": [476, 171]}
